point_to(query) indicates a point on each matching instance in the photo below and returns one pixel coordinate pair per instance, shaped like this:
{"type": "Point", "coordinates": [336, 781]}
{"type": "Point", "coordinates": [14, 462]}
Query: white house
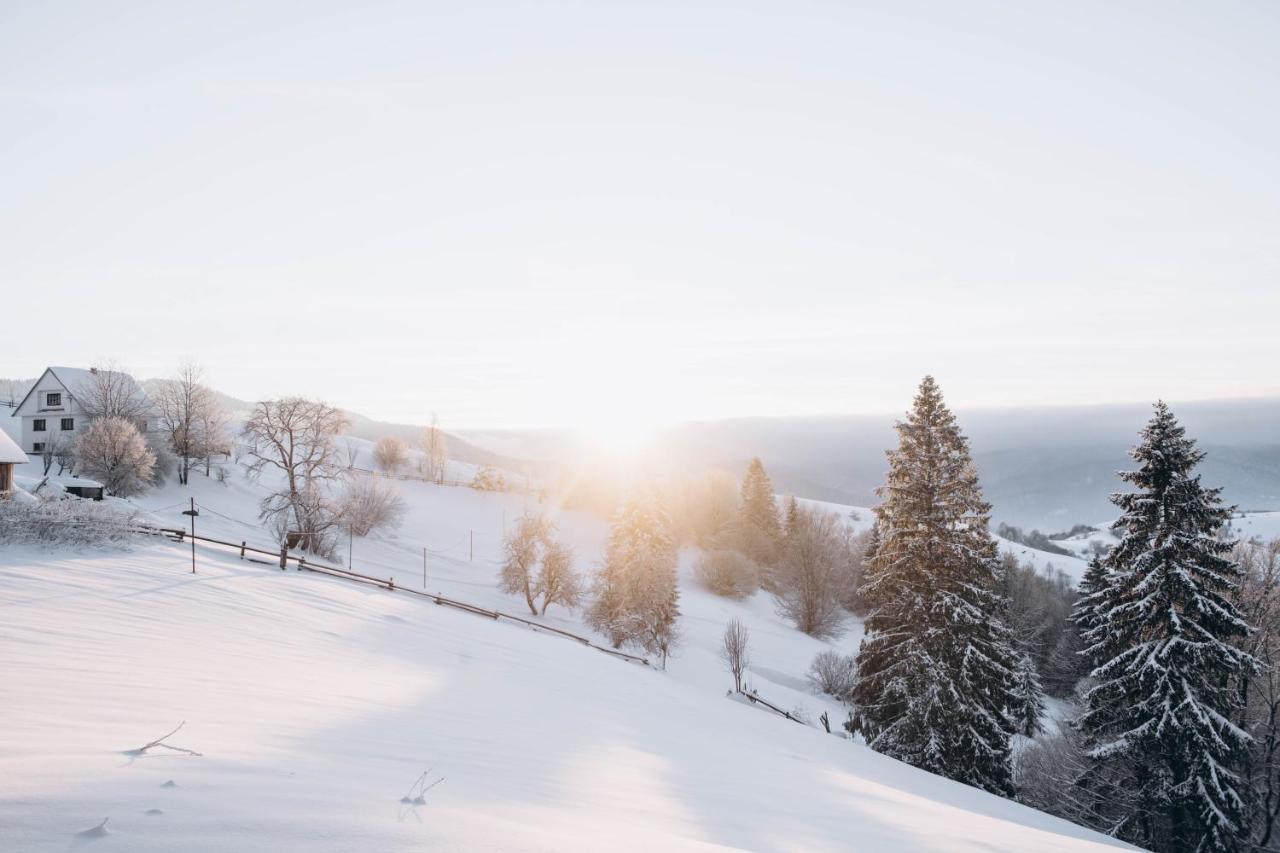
{"type": "Point", "coordinates": [58, 406]}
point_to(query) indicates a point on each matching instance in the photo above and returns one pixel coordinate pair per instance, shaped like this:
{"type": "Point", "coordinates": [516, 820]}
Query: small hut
{"type": "Point", "coordinates": [10, 455]}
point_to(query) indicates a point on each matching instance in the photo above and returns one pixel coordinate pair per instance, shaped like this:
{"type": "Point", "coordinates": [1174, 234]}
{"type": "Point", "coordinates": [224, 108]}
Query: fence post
{"type": "Point", "coordinates": [391, 584]}
{"type": "Point", "coordinates": [242, 547]}
{"type": "Point", "coordinates": [302, 561]}
{"type": "Point", "coordinates": [284, 558]}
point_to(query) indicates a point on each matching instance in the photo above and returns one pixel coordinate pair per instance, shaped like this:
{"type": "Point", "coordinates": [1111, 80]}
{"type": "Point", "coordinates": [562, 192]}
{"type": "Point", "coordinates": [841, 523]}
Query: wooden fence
{"type": "Point", "coordinates": [282, 558]}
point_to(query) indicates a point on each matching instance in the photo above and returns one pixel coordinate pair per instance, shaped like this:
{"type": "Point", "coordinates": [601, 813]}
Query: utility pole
{"type": "Point", "coordinates": [193, 512]}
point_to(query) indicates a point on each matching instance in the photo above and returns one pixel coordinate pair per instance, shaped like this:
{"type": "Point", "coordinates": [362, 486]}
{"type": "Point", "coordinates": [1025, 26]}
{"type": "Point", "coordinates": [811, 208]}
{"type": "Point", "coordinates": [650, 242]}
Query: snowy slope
{"type": "Point", "coordinates": [316, 704]}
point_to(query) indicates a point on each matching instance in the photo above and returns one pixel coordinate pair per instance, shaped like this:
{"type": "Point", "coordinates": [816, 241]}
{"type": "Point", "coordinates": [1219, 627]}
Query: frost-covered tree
{"type": "Point", "coordinates": [435, 451]}
{"type": "Point", "coordinates": [636, 599]}
{"type": "Point", "coordinates": [488, 479]}
{"type": "Point", "coordinates": [390, 454]}
{"type": "Point", "coordinates": [935, 669]}
{"type": "Point", "coordinates": [558, 583]}
{"type": "Point", "coordinates": [812, 573]}
{"type": "Point", "coordinates": [296, 438]}
{"type": "Point", "coordinates": [1029, 705]}
{"type": "Point", "coordinates": [112, 451]}
{"type": "Point", "coordinates": [1165, 633]}
{"type": "Point", "coordinates": [538, 566]}
{"type": "Point", "coordinates": [759, 526]}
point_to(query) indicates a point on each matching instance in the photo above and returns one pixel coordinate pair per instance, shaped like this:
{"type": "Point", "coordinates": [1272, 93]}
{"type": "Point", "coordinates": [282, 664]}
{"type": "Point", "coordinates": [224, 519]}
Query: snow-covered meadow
{"type": "Point", "coordinates": [316, 704]}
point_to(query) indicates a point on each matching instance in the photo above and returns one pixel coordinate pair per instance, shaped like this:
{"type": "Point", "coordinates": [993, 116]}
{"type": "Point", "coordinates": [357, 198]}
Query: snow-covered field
{"type": "Point", "coordinates": [317, 703]}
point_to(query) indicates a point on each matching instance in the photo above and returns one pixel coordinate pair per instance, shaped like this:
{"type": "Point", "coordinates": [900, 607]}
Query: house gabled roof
{"type": "Point", "coordinates": [78, 381]}
{"type": "Point", "coordinates": [10, 451]}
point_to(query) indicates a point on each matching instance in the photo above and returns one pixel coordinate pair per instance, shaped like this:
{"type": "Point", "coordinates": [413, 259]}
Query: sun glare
{"type": "Point", "coordinates": [617, 434]}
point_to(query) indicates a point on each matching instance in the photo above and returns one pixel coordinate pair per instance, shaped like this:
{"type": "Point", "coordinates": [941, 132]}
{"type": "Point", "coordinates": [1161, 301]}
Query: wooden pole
{"type": "Point", "coordinates": [193, 536]}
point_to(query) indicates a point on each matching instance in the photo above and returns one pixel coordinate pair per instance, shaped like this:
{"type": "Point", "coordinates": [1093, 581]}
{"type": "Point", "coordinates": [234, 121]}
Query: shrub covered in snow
{"type": "Point", "coordinates": [833, 674]}
{"type": "Point", "coordinates": [728, 573]}
{"type": "Point", "coordinates": [66, 523]}
{"type": "Point", "coordinates": [489, 479]}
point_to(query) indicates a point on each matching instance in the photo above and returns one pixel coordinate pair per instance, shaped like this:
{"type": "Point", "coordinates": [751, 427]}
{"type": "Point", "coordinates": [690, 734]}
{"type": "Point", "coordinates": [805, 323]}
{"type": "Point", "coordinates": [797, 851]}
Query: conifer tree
{"type": "Point", "coordinates": [936, 669]}
{"type": "Point", "coordinates": [792, 517]}
{"type": "Point", "coordinates": [1161, 623]}
{"type": "Point", "coordinates": [636, 599]}
{"type": "Point", "coordinates": [760, 526]}
{"type": "Point", "coordinates": [1030, 698]}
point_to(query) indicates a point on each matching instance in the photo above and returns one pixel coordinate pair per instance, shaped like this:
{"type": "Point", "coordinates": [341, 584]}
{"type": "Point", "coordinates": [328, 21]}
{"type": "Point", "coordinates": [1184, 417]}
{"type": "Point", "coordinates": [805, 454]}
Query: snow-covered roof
{"type": "Point", "coordinates": [77, 482]}
{"type": "Point", "coordinates": [10, 451]}
{"type": "Point", "coordinates": [79, 382]}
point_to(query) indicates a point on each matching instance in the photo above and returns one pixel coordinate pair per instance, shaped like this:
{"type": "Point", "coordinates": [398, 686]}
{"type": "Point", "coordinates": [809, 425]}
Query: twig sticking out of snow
{"type": "Point", "coordinates": [417, 795]}
{"type": "Point", "coordinates": [142, 750]}
{"type": "Point", "coordinates": [97, 831]}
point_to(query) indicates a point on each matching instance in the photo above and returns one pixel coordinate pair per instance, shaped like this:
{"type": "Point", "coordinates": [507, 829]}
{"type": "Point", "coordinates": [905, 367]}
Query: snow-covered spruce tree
{"type": "Point", "coordinates": [1092, 595]}
{"type": "Point", "coordinates": [936, 670]}
{"type": "Point", "coordinates": [1163, 627]}
{"type": "Point", "coordinates": [636, 599]}
{"type": "Point", "coordinates": [1030, 698]}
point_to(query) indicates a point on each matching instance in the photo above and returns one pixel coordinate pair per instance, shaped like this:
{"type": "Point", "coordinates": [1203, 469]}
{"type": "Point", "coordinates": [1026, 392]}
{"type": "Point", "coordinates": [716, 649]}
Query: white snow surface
{"type": "Point", "coordinates": [316, 704]}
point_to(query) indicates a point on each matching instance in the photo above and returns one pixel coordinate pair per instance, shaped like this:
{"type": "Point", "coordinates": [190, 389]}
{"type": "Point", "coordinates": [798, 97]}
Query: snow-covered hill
{"type": "Point", "coordinates": [316, 704]}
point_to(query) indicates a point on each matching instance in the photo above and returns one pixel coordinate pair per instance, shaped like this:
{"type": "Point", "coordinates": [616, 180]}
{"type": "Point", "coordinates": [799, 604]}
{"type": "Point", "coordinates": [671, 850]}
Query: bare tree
{"type": "Point", "coordinates": [435, 452]}
{"type": "Point", "coordinates": [1259, 601]}
{"type": "Point", "coordinates": [57, 447]}
{"type": "Point", "coordinates": [368, 505]}
{"type": "Point", "coordinates": [834, 674]}
{"type": "Point", "coordinates": [213, 431]}
{"type": "Point", "coordinates": [113, 451]}
{"type": "Point", "coordinates": [728, 573]}
{"type": "Point", "coordinates": [110, 392]}
{"type": "Point", "coordinates": [183, 406]}
{"type": "Point", "coordinates": [64, 451]}
{"type": "Point", "coordinates": [809, 578]}
{"type": "Point", "coordinates": [296, 437]}
{"type": "Point", "coordinates": [390, 454]}
{"type": "Point", "coordinates": [734, 651]}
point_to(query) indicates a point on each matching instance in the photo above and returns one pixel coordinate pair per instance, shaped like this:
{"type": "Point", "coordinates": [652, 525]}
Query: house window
{"type": "Point", "coordinates": [38, 425]}
{"type": "Point", "coordinates": [53, 398]}
{"type": "Point", "coordinates": [68, 424]}
{"type": "Point", "coordinates": [37, 447]}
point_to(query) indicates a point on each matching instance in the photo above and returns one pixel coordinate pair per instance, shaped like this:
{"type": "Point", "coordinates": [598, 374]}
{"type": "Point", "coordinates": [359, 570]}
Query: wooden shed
{"type": "Point", "coordinates": [10, 454]}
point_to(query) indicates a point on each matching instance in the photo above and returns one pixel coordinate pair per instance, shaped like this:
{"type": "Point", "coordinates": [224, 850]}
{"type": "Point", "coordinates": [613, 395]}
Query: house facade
{"type": "Point", "coordinates": [57, 408]}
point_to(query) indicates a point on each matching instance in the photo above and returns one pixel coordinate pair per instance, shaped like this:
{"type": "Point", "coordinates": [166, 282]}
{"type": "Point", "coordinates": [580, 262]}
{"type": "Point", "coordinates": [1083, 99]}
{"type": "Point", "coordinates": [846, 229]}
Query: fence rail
{"type": "Point", "coordinates": [284, 557]}
{"type": "Point", "coordinates": [420, 478]}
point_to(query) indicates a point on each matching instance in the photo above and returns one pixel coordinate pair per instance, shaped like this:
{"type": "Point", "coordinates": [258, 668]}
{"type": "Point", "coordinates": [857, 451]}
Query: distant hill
{"type": "Point", "coordinates": [1046, 467]}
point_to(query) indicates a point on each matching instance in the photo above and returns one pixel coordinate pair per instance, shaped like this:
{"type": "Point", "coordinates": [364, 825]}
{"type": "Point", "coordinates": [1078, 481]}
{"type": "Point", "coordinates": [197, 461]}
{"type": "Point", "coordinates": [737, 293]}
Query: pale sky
{"type": "Point", "coordinates": [528, 214]}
